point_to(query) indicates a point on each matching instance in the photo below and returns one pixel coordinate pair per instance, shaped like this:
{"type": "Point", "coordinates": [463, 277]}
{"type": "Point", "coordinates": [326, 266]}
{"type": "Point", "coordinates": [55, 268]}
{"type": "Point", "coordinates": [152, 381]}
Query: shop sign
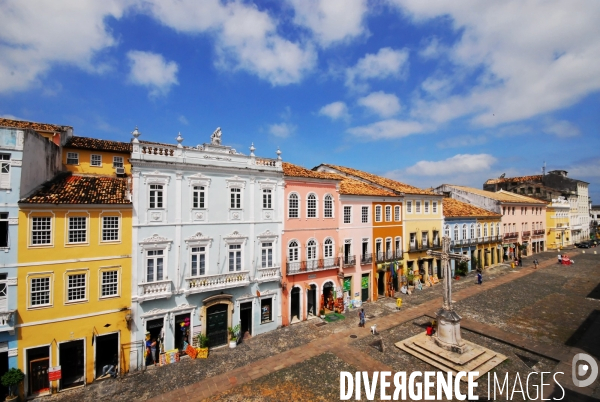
{"type": "Point", "coordinates": [54, 373]}
{"type": "Point", "coordinates": [312, 276]}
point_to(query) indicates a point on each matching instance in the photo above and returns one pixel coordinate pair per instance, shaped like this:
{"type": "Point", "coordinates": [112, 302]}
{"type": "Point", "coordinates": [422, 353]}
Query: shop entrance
{"type": "Point", "coordinates": [364, 288]}
{"type": "Point", "coordinates": [216, 325]}
{"type": "Point", "coordinates": [246, 317]}
{"type": "Point", "coordinates": [328, 297]}
{"type": "Point", "coordinates": [71, 358]}
{"type": "Point", "coordinates": [182, 330]}
{"type": "Point", "coordinates": [3, 369]}
{"type": "Point", "coordinates": [381, 283]}
{"type": "Point", "coordinates": [107, 351]}
{"type": "Point", "coordinates": [311, 301]}
{"type": "Point", "coordinates": [155, 328]}
{"type": "Point", "coordinates": [295, 304]}
{"type": "Point", "coordinates": [38, 362]}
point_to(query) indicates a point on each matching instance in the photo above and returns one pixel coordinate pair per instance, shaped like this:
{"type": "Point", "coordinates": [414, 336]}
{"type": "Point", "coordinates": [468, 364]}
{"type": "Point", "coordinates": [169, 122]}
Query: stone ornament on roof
{"type": "Point", "coordinates": [215, 138]}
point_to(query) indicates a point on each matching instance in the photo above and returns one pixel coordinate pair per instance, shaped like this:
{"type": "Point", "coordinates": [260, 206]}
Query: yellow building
{"type": "Point", "coordinates": [74, 274]}
{"type": "Point", "coordinates": [558, 223]}
{"type": "Point", "coordinates": [98, 157]}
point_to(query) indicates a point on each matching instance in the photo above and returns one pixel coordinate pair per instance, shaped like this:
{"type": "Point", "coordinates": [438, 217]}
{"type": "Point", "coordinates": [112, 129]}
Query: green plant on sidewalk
{"type": "Point", "coordinates": [11, 379]}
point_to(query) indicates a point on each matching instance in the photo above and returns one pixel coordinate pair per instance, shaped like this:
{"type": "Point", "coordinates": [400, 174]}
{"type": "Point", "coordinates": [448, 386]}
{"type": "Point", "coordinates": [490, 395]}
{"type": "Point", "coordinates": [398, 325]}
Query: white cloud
{"type": "Point", "coordinates": [535, 57]}
{"type": "Point", "coordinates": [36, 36]}
{"type": "Point", "coordinates": [387, 129]}
{"type": "Point", "coordinates": [331, 21]}
{"type": "Point", "coordinates": [152, 71]}
{"type": "Point", "coordinates": [282, 130]}
{"type": "Point", "coordinates": [385, 105]}
{"type": "Point", "coordinates": [183, 120]}
{"type": "Point", "coordinates": [462, 141]}
{"type": "Point", "coordinates": [433, 49]}
{"type": "Point", "coordinates": [562, 129]}
{"type": "Point", "coordinates": [458, 164]}
{"type": "Point", "coordinates": [245, 37]}
{"type": "Point", "coordinates": [335, 110]}
{"type": "Point", "coordinates": [384, 64]}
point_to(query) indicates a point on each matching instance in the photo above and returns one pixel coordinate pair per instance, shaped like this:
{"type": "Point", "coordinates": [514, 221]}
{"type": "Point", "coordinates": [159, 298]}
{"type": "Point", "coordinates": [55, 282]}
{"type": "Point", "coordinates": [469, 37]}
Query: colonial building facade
{"type": "Point", "coordinates": [207, 230]}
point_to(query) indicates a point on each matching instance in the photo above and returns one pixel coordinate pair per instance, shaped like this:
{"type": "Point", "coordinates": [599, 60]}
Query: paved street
{"type": "Point", "coordinates": [545, 312]}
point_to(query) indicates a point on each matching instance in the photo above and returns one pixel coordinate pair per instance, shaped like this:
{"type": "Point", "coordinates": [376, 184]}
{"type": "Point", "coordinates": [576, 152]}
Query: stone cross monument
{"type": "Point", "coordinates": [448, 321]}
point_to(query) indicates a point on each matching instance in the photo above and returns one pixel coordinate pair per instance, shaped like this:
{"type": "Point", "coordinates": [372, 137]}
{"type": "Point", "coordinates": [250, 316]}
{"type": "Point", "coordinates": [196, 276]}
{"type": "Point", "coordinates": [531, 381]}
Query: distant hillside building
{"type": "Point", "coordinates": [551, 186]}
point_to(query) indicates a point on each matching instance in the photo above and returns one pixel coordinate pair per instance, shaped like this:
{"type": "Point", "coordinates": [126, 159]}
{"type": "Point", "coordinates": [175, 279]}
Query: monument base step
{"type": "Point", "coordinates": [477, 358]}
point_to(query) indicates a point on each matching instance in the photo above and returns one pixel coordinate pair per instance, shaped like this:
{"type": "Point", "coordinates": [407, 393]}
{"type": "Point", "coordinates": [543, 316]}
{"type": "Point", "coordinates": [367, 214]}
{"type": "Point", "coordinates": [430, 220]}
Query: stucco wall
{"type": "Point", "coordinates": [41, 162]}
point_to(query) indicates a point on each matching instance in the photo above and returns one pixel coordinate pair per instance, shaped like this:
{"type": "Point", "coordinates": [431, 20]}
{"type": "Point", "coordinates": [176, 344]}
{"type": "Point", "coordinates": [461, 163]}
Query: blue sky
{"type": "Point", "coordinates": [426, 92]}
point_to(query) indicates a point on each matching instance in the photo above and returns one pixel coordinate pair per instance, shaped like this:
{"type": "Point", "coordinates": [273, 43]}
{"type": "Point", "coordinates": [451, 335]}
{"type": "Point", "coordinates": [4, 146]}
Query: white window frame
{"type": "Point", "coordinates": [446, 230]}
{"type": "Point", "coordinates": [364, 214]}
{"type": "Point", "coordinates": [147, 257]}
{"type": "Point", "coordinates": [102, 228]}
{"type": "Point", "coordinates": [92, 160]}
{"type": "Point", "coordinates": [312, 249]}
{"type": "Point", "coordinates": [236, 239]}
{"type": "Point", "coordinates": [296, 251]}
{"type": "Point", "coordinates": [153, 243]}
{"type": "Point", "coordinates": [388, 213]}
{"type": "Point", "coordinates": [196, 241]}
{"type": "Point", "coordinates": [159, 191]}
{"type": "Point", "coordinates": [409, 207]}
{"type": "Point", "coordinates": [72, 156]}
{"type": "Point", "coordinates": [464, 231]}
{"type": "Point", "coordinates": [267, 198]}
{"type": "Point", "coordinates": [116, 163]}
{"type": "Point", "coordinates": [315, 207]}
{"type": "Point", "coordinates": [397, 213]}
{"type": "Point", "coordinates": [5, 164]}
{"type": "Point", "coordinates": [434, 206]}
{"type": "Point", "coordinates": [200, 192]}
{"type": "Point", "coordinates": [235, 198]}
{"type": "Point", "coordinates": [417, 207]}
{"type": "Point", "coordinates": [40, 275]}
{"type": "Point", "coordinates": [378, 213]}
{"type": "Point", "coordinates": [265, 247]}
{"type": "Point", "coordinates": [76, 215]}
{"type": "Point", "coordinates": [198, 253]}
{"type": "Point", "coordinates": [349, 209]}
{"type": "Point", "coordinates": [472, 231]}
{"type": "Point", "coordinates": [329, 248]}
{"type": "Point", "coordinates": [426, 207]}
{"type": "Point", "coordinates": [31, 231]}
{"type": "Point", "coordinates": [296, 197]}
{"type": "Point", "coordinates": [455, 232]}
{"type": "Point", "coordinates": [398, 242]}
{"type": "Point", "coordinates": [328, 212]}
{"type": "Point", "coordinates": [479, 230]}
{"type": "Point", "coordinates": [101, 283]}
{"type": "Point", "coordinates": [69, 273]}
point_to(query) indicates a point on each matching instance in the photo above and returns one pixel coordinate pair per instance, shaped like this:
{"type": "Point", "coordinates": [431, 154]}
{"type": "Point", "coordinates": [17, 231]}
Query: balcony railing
{"type": "Point", "coordinates": [349, 260]}
{"type": "Point", "coordinates": [7, 321]}
{"type": "Point", "coordinates": [366, 259]}
{"type": "Point", "coordinates": [300, 267]}
{"type": "Point", "coordinates": [511, 235]}
{"type": "Point", "coordinates": [414, 246]}
{"type": "Point", "coordinates": [539, 232]}
{"type": "Point", "coordinates": [209, 283]}
{"type": "Point", "coordinates": [435, 244]}
{"type": "Point", "coordinates": [268, 274]}
{"type": "Point", "coordinates": [526, 234]}
{"type": "Point", "coordinates": [155, 290]}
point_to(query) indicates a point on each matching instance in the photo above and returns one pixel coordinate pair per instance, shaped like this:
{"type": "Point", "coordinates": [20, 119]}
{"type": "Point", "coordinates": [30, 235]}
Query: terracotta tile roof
{"type": "Point", "coordinates": [521, 179]}
{"type": "Point", "coordinates": [32, 125]}
{"type": "Point", "coordinates": [453, 209]}
{"type": "Point", "coordinates": [381, 181]}
{"type": "Point", "coordinates": [292, 170]}
{"type": "Point", "coordinates": [501, 195]}
{"type": "Point", "coordinates": [98, 145]}
{"type": "Point", "coordinates": [355, 187]}
{"type": "Point", "coordinates": [69, 189]}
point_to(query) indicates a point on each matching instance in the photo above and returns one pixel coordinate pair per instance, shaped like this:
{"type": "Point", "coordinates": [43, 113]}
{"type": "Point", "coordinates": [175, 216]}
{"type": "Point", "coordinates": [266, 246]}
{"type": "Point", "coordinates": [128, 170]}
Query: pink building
{"type": "Point", "coordinates": [311, 276]}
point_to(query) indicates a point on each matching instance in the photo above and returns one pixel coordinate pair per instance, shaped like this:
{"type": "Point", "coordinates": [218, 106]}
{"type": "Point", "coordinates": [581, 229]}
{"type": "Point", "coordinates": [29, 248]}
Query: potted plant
{"type": "Point", "coordinates": [11, 379]}
{"type": "Point", "coordinates": [234, 335]}
{"type": "Point", "coordinates": [202, 346]}
{"type": "Point", "coordinates": [410, 278]}
{"type": "Point", "coordinates": [322, 313]}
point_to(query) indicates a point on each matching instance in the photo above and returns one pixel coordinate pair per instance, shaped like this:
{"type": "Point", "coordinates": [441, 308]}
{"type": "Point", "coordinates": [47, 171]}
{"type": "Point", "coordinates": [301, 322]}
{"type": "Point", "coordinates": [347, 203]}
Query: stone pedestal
{"type": "Point", "coordinates": [448, 331]}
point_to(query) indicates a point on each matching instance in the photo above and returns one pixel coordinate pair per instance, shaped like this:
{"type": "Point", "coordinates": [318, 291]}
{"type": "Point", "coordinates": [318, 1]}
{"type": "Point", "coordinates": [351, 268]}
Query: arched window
{"type": "Point", "coordinates": [485, 229]}
{"type": "Point", "coordinates": [464, 231]}
{"type": "Point", "coordinates": [472, 230]}
{"type": "Point", "coordinates": [455, 232]}
{"type": "Point", "coordinates": [328, 206]}
{"type": "Point", "coordinates": [479, 230]}
{"type": "Point", "coordinates": [311, 250]}
{"type": "Point", "coordinates": [447, 231]}
{"type": "Point", "coordinates": [328, 248]}
{"type": "Point", "coordinates": [397, 213]}
{"type": "Point", "coordinates": [311, 206]}
{"type": "Point", "coordinates": [388, 213]}
{"type": "Point", "coordinates": [293, 206]}
{"type": "Point", "coordinates": [293, 251]}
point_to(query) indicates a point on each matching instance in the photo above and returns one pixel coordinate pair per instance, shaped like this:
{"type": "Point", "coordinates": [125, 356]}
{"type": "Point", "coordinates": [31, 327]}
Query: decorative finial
{"type": "Point", "coordinates": [215, 138]}
{"type": "Point", "coordinates": [278, 154]}
{"type": "Point", "coordinates": [252, 149]}
{"type": "Point", "coordinates": [179, 139]}
{"type": "Point", "coordinates": [135, 134]}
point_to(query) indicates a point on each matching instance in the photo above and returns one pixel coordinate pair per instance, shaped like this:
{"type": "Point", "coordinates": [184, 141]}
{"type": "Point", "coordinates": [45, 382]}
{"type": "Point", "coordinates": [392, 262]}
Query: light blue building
{"type": "Point", "coordinates": [27, 159]}
{"type": "Point", "coordinates": [207, 222]}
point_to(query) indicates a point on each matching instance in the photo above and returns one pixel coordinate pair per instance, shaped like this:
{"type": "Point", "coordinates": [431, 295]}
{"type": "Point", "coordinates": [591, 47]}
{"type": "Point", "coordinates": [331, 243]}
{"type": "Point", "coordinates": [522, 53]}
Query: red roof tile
{"type": "Point", "coordinates": [454, 209]}
{"type": "Point", "coordinates": [98, 145]}
{"type": "Point", "coordinates": [32, 125]}
{"type": "Point", "coordinates": [69, 189]}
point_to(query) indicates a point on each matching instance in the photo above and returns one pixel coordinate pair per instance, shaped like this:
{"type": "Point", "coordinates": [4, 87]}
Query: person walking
{"type": "Point", "coordinates": [535, 263]}
{"type": "Point", "coordinates": [479, 277]}
{"type": "Point", "coordinates": [361, 317]}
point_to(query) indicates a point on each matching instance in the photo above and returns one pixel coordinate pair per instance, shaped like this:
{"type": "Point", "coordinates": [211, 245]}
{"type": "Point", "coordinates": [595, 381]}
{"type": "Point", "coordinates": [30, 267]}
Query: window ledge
{"type": "Point", "coordinates": [71, 302]}
{"type": "Point", "coordinates": [267, 322]}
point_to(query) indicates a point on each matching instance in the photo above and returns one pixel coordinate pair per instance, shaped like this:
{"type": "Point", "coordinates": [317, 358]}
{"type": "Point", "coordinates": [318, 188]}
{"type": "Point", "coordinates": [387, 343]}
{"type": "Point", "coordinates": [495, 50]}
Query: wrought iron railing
{"type": "Point", "coordinates": [299, 267]}
{"type": "Point", "coordinates": [366, 258]}
{"type": "Point", "coordinates": [511, 235]}
{"type": "Point", "coordinates": [539, 232]}
{"type": "Point", "coordinates": [349, 260]}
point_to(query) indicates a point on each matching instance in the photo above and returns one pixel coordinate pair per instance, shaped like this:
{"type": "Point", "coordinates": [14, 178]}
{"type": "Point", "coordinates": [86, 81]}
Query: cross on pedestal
{"type": "Point", "coordinates": [448, 321]}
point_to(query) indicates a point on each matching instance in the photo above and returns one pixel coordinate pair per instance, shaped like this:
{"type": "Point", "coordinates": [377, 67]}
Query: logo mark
{"type": "Point", "coordinates": [580, 370]}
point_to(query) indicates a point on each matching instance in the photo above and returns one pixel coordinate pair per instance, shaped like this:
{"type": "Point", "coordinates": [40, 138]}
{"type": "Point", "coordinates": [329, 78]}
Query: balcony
{"type": "Point", "coordinates": [511, 236]}
{"type": "Point", "coordinates": [414, 247]}
{"type": "Point", "coordinates": [349, 260]}
{"type": "Point", "coordinates": [7, 321]}
{"type": "Point", "coordinates": [155, 290]}
{"type": "Point", "coordinates": [300, 267]}
{"type": "Point", "coordinates": [209, 283]}
{"type": "Point", "coordinates": [539, 232]}
{"type": "Point", "coordinates": [435, 244]}
{"type": "Point", "coordinates": [268, 274]}
{"type": "Point", "coordinates": [389, 255]}
{"type": "Point", "coordinates": [366, 259]}
{"type": "Point", "coordinates": [526, 235]}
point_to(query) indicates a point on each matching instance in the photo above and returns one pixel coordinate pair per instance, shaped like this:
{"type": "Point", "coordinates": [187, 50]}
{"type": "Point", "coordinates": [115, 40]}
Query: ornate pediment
{"type": "Point", "coordinates": [155, 241]}
{"type": "Point", "coordinates": [236, 181]}
{"type": "Point", "coordinates": [156, 177]}
{"type": "Point", "coordinates": [199, 239]}
{"type": "Point", "coordinates": [235, 238]}
{"type": "Point", "coordinates": [199, 179]}
{"type": "Point", "coordinates": [267, 235]}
